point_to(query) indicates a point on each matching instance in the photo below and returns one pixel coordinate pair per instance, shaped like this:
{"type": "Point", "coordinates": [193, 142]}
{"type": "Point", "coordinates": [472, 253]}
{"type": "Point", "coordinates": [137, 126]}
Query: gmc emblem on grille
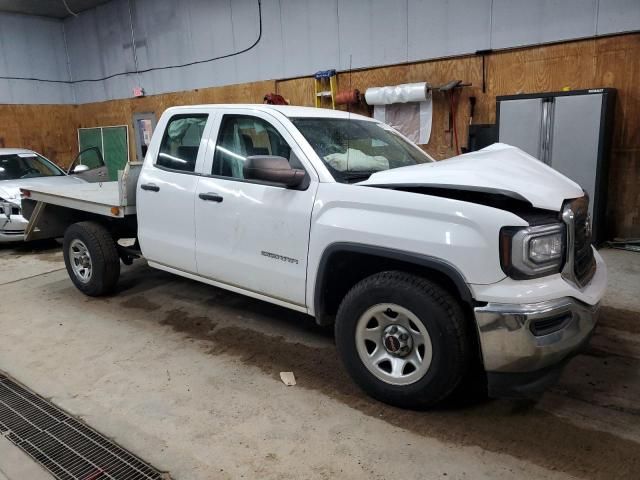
{"type": "Point", "coordinates": [587, 226]}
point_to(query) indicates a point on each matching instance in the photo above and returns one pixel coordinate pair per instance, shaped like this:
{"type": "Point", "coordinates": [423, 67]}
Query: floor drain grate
{"type": "Point", "coordinates": [68, 448]}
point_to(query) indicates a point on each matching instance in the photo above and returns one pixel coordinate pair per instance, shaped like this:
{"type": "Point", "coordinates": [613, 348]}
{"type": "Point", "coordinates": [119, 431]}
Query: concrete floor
{"type": "Point", "coordinates": [187, 377]}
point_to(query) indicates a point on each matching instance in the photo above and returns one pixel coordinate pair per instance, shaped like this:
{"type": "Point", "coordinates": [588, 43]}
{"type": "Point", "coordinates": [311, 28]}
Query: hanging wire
{"type": "Point", "coordinates": [151, 69]}
{"type": "Point", "coordinates": [71, 12]}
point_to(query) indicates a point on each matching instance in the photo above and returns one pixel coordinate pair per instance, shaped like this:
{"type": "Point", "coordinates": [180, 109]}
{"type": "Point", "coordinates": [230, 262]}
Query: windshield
{"type": "Point", "coordinates": [354, 149]}
{"type": "Point", "coordinates": [26, 165]}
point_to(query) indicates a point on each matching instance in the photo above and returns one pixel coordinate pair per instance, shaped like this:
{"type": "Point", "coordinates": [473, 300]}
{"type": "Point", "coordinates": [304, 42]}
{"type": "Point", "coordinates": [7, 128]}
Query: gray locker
{"type": "Point", "coordinates": [525, 132]}
{"type": "Point", "coordinates": [571, 132]}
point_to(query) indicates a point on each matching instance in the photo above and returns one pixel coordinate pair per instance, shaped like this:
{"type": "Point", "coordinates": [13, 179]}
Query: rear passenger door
{"type": "Point", "coordinates": [166, 191]}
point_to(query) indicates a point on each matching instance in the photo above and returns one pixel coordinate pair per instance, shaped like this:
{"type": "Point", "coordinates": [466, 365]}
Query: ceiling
{"type": "Point", "coordinates": [48, 8]}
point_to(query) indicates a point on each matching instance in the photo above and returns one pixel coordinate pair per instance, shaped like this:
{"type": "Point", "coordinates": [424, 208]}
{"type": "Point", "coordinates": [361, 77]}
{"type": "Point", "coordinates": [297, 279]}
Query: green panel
{"type": "Point", "coordinates": [90, 137]}
{"type": "Point", "coordinates": [115, 149]}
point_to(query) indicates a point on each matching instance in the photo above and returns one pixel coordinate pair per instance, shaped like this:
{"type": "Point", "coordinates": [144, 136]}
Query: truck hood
{"type": "Point", "coordinates": [499, 168]}
{"type": "Point", "coordinates": [10, 189]}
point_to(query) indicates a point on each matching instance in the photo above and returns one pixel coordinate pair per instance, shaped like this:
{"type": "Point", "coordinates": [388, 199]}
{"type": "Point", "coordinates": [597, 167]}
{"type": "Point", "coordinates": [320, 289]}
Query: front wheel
{"type": "Point", "coordinates": [403, 339]}
{"type": "Point", "coordinates": [91, 258]}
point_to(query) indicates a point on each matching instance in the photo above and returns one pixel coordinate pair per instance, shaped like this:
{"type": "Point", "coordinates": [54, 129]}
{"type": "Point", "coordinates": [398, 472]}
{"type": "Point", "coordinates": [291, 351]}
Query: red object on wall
{"type": "Point", "coordinates": [348, 97]}
{"type": "Point", "coordinates": [274, 99]}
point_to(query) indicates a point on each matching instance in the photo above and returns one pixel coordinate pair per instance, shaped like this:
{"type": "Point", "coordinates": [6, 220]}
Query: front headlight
{"type": "Point", "coordinates": [7, 207]}
{"type": "Point", "coordinates": [532, 252]}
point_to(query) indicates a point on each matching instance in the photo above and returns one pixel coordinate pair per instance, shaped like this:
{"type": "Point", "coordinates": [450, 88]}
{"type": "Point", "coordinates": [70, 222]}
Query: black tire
{"type": "Point", "coordinates": [105, 261]}
{"type": "Point", "coordinates": [445, 323]}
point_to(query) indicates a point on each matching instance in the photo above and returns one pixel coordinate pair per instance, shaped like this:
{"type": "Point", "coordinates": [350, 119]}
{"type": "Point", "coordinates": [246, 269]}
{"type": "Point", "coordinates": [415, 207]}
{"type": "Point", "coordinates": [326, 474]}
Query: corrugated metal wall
{"type": "Point", "coordinates": [33, 47]}
{"type": "Point", "coordinates": [299, 38]}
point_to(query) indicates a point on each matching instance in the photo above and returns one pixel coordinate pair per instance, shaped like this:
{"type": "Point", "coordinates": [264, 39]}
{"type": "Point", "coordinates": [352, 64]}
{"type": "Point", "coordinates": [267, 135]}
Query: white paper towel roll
{"type": "Point", "coordinates": [407, 92]}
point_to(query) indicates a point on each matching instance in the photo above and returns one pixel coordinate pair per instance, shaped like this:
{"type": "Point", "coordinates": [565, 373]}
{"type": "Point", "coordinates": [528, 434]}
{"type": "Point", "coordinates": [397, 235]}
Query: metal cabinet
{"type": "Point", "coordinates": [571, 132]}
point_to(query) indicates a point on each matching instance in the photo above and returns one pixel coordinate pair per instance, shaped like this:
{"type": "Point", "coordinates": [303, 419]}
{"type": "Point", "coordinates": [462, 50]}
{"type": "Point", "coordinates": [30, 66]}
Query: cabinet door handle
{"type": "Point", "coordinates": [211, 197]}
{"type": "Point", "coordinates": [150, 187]}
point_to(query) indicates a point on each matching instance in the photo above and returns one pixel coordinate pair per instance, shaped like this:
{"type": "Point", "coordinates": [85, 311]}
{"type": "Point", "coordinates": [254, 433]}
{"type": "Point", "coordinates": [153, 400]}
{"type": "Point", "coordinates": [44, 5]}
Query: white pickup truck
{"type": "Point", "coordinates": [435, 274]}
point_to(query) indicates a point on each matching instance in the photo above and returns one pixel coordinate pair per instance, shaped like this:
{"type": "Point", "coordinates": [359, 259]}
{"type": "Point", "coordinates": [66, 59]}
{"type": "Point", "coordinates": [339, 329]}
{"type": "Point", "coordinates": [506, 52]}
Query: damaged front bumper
{"type": "Point", "coordinates": [525, 346]}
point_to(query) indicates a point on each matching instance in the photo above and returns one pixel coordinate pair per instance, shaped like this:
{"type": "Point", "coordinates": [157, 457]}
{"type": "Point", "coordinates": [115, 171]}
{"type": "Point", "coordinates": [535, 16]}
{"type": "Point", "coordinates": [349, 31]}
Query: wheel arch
{"type": "Point", "coordinates": [334, 278]}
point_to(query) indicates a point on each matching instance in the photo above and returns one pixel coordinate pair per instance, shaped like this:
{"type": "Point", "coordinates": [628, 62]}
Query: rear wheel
{"type": "Point", "coordinates": [403, 339]}
{"type": "Point", "coordinates": [91, 258]}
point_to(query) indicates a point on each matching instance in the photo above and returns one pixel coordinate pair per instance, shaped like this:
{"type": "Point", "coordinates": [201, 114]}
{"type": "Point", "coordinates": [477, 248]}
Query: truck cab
{"type": "Point", "coordinates": [476, 270]}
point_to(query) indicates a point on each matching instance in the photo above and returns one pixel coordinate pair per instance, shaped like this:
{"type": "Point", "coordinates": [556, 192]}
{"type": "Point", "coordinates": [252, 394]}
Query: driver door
{"type": "Point", "coordinates": [249, 234]}
{"type": "Point", "coordinates": [89, 166]}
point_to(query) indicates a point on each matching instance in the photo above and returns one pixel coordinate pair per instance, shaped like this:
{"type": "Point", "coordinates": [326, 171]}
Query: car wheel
{"type": "Point", "coordinates": [91, 258]}
{"type": "Point", "coordinates": [403, 339]}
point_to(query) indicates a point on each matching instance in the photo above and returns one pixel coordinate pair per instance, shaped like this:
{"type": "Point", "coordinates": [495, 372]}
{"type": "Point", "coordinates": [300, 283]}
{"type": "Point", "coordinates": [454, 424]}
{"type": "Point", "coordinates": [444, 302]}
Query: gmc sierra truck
{"type": "Point", "coordinates": [435, 274]}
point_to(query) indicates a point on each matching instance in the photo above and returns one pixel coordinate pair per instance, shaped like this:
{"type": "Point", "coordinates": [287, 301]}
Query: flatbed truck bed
{"type": "Point", "coordinates": [99, 198]}
{"type": "Point", "coordinates": [50, 209]}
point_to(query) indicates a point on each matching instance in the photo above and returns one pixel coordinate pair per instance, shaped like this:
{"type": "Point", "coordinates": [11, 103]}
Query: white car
{"type": "Point", "coordinates": [20, 168]}
{"type": "Point", "coordinates": [433, 273]}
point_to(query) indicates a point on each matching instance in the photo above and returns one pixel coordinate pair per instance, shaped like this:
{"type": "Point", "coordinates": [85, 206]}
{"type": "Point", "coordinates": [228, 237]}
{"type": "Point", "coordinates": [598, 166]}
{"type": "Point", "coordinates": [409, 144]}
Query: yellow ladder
{"type": "Point", "coordinates": [326, 86]}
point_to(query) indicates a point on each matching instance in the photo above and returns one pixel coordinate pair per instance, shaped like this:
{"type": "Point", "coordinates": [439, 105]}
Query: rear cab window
{"type": "Point", "coordinates": [181, 142]}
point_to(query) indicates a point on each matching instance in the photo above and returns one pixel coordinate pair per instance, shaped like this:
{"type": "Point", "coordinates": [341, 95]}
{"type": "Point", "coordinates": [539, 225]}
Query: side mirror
{"type": "Point", "coordinates": [80, 168]}
{"type": "Point", "coordinates": [272, 169]}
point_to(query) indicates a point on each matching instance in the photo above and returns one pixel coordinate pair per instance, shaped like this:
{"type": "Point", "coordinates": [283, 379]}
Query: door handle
{"type": "Point", "coordinates": [150, 187]}
{"type": "Point", "coordinates": [211, 197]}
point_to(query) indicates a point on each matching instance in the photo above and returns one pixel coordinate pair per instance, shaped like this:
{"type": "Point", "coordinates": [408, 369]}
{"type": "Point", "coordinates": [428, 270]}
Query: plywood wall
{"type": "Point", "coordinates": [53, 129]}
{"type": "Point", "coordinates": [604, 62]}
{"type": "Point", "coordinates": [48, 129]}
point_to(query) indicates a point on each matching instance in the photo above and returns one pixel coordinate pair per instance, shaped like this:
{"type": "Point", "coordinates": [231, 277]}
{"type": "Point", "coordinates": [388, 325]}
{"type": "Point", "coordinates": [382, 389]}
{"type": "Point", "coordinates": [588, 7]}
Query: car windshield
{"type": "Point", "coordinates": [354, 149]}
{"type": "Point", "coordinates": [26, 165]}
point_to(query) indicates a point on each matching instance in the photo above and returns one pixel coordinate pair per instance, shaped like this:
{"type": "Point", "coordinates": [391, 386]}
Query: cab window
{"type": "Point", "coordinates": [181, 142]}
{"type": "Point", "coordinates": [244, 136]}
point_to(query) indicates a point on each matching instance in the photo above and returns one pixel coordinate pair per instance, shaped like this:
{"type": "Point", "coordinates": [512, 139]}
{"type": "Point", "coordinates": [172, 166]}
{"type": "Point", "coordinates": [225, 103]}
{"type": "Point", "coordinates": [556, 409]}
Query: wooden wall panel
{"type": "Point", "coordinates": [467, 69]}
{"type": "Point", "coordinates": [603, 62]}
{"type": "Point", "coordinates": [375, 77]}
{"type": "Point", "coordinates": [618, 66]}
{"type": "Point", "coordinates": [47, 129]}
{"type": "Point", "coordinates": [297, 91]}
{"type": "Point", "coordinates": [241, 93]}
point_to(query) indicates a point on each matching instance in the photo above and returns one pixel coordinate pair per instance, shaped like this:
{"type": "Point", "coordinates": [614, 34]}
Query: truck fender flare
{"type": "Point", "coordinates": [427, 261]}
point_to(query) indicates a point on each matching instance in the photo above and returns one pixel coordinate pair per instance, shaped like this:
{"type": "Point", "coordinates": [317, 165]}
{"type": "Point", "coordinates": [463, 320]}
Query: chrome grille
{"type": "Point", "coordinates": [584, 261]}
{"type": "Point", "coordinates": [68, 448]}
{"type": "Point", "coordinates": [581, 264]}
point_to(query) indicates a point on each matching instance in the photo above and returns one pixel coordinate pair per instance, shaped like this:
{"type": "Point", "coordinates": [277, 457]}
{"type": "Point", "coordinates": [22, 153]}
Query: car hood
{"type": "Point", "coordinates": [499, 168]}
{"type": "Point", "coordinates": [10, 189]}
